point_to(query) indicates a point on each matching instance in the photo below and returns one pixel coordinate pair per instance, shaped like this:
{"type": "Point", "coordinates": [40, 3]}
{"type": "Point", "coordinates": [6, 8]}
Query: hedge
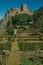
{"type": "Point", "coordinates": [30, 46]}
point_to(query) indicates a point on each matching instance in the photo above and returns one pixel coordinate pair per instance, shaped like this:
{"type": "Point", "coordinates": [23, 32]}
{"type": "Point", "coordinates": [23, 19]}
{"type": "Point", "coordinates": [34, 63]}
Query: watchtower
{"type": "Point", "coordinates": [24, 7]}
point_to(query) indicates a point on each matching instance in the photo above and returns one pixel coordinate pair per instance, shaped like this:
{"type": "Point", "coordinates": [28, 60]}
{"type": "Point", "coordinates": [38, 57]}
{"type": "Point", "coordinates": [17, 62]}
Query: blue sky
{"type": "Point", "coordinates": [5, 4]}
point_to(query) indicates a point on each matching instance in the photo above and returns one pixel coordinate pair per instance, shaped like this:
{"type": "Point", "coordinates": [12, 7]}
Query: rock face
{"type": "Point", "coordinates": [14, 11]}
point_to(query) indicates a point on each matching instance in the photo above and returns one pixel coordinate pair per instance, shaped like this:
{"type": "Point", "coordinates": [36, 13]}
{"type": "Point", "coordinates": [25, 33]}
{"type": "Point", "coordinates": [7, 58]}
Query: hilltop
{"type": "Point", "coordinates": [21, 37]}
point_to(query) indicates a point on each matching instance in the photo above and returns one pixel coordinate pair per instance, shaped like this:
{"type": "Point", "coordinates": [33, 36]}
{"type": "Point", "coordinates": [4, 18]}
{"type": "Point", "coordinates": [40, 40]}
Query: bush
{"type": "Point", "coordinates": [10, 30]}
{"type": "Point", "coordinates": [30, 46]}
{"type": "Point", "coordinates": [26, 46]}
{"type": "Point", "coordinates": [5, 46]}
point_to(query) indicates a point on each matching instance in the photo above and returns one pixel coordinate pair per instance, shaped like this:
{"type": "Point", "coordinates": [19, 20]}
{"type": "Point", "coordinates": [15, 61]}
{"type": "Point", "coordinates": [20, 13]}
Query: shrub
{"type": "Point", "coordinates": [5, 46]}
{"type": "Point", "coordinates": [30, 46]}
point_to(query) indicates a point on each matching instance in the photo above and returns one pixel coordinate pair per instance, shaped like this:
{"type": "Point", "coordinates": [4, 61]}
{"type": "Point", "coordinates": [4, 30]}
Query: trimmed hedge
{"type": "Point", "coordinates": [30, 46]}
{"type": "Point", "coordinates": [5, 46]}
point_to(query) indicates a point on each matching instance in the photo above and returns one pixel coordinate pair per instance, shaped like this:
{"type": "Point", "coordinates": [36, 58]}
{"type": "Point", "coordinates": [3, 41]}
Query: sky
{"type": "Point", "coordinates": [31, 4]}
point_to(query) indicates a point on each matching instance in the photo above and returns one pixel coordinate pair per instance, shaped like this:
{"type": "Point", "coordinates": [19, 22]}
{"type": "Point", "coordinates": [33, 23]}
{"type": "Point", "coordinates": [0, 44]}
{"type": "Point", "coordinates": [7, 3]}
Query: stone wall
{"type": "Point", "coordinates": [23, 9]}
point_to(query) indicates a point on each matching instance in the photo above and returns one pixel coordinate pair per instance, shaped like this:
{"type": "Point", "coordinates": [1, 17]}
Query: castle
{"type": "Point", "coordinates": [23, 9]}
{"type": "Point", "coordinates": [14, 11]}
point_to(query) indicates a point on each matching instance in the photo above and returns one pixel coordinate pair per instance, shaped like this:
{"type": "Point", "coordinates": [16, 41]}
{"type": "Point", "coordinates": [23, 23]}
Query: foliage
{"type": "Point", "coordinates": [27, 60]}
{"type": "Point", "coordinates": [5, 46]}
{"type": "Point", "coordinates": [21, 19]}
{"type": "Point", "coordinates": [38, 19]}
{"type": "Point", "coordinates": [30, 46]}
{"type": "Point", "coordinates": [26, 46]}
{"type": "Point", "coordinates": [8, 23]}
{"type": "Point", "coordinates": [10, 30]}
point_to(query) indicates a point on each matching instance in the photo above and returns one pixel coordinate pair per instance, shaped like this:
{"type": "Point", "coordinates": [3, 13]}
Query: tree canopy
{"type": "Point", "coordinates": [38, 19]}
{"type": "Point", "coordinates": [21, 19]}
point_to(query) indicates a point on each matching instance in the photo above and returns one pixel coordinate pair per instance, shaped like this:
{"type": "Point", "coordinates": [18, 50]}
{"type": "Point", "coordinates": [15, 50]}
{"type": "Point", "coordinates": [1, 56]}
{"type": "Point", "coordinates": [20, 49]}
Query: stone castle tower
{"type": "Point", "coordinates": [24, 7]}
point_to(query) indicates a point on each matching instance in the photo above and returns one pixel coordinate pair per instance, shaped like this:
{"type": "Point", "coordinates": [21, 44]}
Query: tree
{"type": "Point", "coordinates": [8, 23]}
{"type": "Point", "coordinates": [21, 19]}
{"type": "Point", "coordinates": [10, 30]}
{"type": "Point", "coordinates": [38, 19]}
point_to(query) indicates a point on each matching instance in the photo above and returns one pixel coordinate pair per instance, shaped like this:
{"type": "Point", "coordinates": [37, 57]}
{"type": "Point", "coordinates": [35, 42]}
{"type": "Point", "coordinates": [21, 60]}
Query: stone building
{"type": "Point", "coordinates": [23, 9]}
{"type": "Point", "coordinates": [14, 11]}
